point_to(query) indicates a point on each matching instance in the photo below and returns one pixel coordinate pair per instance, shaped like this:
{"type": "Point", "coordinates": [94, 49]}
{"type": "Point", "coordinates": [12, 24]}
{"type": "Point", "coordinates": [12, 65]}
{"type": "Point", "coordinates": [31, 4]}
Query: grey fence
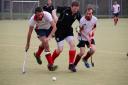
{"type": "Point", "coordinates": [22, 9]}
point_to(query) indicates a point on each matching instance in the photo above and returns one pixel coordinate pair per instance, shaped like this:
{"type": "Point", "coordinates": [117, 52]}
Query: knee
{"type": "Point", "coordinates": [46, 47]}
{"type": "Point", "coordinates": [81, 54]}
{"type": "Point", "coordinates": [41, 45]}
{"type": "Point", "coordinates": [59, 50]}
{"type": "Point", "coordinates": [72, 47]}
{"type": "Point", "coordinates": [92, 50]}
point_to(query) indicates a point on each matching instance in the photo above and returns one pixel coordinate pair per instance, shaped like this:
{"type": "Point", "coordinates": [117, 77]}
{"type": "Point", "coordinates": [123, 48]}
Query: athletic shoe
{"type": "Point", "coordinates": [72, 68]}
{"type": "Point", "coordinates": [52, 67]}
{"type": "Point", "coordinates": [86, 63]}
{"type": "Point", "coordinates": [38, 59]}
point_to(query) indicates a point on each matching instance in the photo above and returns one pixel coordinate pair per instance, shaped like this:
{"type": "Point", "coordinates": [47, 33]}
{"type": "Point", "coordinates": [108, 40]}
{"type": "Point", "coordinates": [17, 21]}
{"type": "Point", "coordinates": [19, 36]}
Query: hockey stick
{"type": "Point", "coordinates": [24, 63]}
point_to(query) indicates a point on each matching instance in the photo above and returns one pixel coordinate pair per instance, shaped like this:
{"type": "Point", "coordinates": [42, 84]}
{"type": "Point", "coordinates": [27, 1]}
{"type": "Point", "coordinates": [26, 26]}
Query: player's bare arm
{"type": "Point", "coordinates": [91, 34]}
{"type": "Point", "coordinates": [53, 30]}
{"type": "Point", "coordinates": [94, 28]}
{"type": "Point", "coordinates": [81, 28]}
{"type": "Point", "coordinates": [29, 37]}
{"type": "Point", "coordinates": [54, 15]}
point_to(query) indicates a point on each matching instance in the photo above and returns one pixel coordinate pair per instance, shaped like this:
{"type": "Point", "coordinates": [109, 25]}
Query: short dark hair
{"type": "Point", "coordinates": [75, 3]}
{"type": "Point", "coordinates": [89, 8]}
{"type": "Point", "coordinates": [38, 9]}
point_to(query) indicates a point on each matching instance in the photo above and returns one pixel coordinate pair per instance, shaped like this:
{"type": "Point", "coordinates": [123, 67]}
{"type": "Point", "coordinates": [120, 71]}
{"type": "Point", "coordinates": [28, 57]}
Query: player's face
{"type": "Point", "coordinates": [74, 9]}
{"type": "Point", "coordinates": [39, 15]}
{"type": "Point", "coordinates": [49, 2]}
{"type": "Point", "coordinates": [89, 14]}
{"type": "Point", "coordinates": [115, 2]}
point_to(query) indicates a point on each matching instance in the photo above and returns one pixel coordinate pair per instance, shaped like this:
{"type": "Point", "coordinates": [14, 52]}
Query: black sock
{"type": "Point", "coordinates": [77, 60]}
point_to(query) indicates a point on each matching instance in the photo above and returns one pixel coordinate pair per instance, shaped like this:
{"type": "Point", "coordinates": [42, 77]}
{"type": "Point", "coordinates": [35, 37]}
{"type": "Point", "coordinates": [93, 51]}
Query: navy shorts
{"type": "Point", "coordinates": [43, 32]}
{"type": "Point", "coordinates": [82, 43]}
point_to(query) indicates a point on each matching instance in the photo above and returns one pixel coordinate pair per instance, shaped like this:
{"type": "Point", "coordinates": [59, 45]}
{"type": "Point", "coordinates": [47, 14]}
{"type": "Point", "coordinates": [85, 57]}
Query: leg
{"type": "Point", "coordinates": [38, 53]}
{"type": "Point", "coordinates": [72, 52]}
{"type": "Point", "coordinates": [88, 55]}
{"type": "Point", "coordinates": [40, 50]}
{"type": "Point", "coordinates": [57, 51]}
{"type": "Point", "coordinates": [90, 52]}
{"type": "Point", "coordinates": [114, 20]}
{"type": "Point", "coordinates": [48, 56]}
{"type": "Point", "coordinates": [79, 55]}
{"type": "Point", "coordinates": [41, 47]}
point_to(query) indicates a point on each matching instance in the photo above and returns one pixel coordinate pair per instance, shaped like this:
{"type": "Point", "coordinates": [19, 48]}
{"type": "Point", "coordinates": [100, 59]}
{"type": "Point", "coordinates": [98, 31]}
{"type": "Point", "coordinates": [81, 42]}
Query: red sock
{"type": "Point", "coordinates": [71, 56]}
{"type": "Point", "coordinates": [49, 58]}
{"type": "Point", "coordinates": [40, 50]}
{"type": "Point", "coordinates": [55, 55]}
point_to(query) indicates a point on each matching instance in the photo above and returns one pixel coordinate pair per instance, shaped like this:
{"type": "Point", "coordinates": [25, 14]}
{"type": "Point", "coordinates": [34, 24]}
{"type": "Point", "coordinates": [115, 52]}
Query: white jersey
{"type": "Point", "coordinates": [116, 8]}
{"type": "Point", "coordinates": [87, 27]}
{"type": "Point", "coordinates": [44, 23]}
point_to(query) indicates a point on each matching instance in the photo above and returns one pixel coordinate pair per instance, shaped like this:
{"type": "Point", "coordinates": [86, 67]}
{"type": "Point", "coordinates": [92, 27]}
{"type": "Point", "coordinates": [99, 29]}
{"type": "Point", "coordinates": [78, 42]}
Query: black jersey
{"type": "Point", "coordinates": [66, 18]}
{"type": "Point", "coordinates": [48, 8]}
{"type": "Point", "coordinates": [65, 21]}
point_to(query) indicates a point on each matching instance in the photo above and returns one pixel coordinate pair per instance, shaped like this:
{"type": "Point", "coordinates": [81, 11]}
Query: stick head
{"type": "Point", "coordinates": [23, 72]}
{"type": "Point", "coordinates": [92, 64]}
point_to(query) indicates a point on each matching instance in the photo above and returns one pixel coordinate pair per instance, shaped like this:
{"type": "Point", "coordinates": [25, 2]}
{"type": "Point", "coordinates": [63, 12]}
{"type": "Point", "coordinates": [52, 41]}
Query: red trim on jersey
{"type": "Point", "coordinates": [38, 19]}
{"type": "Point", "coordinates": [37, 27]}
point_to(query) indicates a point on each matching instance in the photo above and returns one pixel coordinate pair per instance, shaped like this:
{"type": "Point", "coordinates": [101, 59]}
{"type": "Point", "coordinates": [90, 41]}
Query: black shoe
{"type": "Point", "coordinates": [72, 67]}
{"type": "Point", "coordinates": [52, 67]}
{"type": "Point", "coordinates": [38, 59]}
